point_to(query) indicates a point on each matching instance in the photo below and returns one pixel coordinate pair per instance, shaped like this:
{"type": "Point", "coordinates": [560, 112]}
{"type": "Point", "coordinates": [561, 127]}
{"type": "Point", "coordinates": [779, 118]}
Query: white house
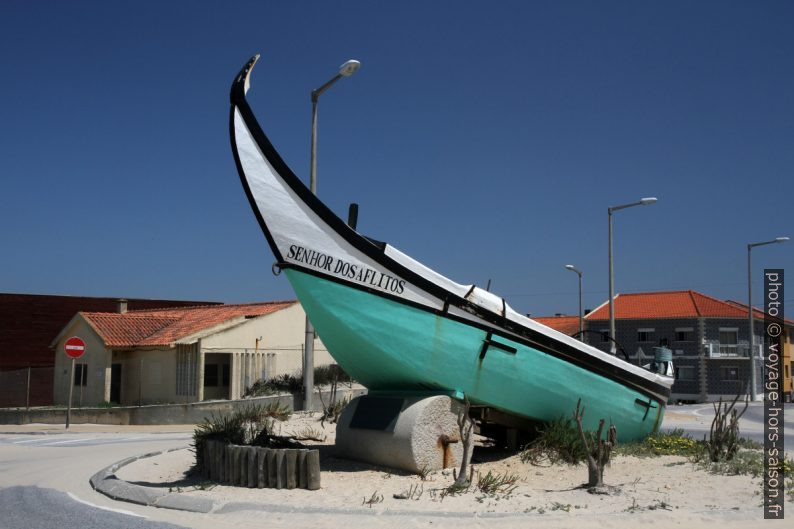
{"type": "Point", "coordinates": [183, 354]}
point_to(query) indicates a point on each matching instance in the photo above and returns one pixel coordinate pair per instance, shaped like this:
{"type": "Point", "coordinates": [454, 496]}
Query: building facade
{"type": "Point", "coordinates": [180, 354]}
{"type": "Point", "coordinates": [709, 339]}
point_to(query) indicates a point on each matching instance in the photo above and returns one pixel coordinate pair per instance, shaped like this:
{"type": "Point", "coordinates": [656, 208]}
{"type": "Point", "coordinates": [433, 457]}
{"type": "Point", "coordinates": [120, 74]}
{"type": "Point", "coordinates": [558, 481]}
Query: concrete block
{"type": "Point", "coordinates": [281, 470]}
{"type": "Point", "coordinates": [261, 461]}
{"type": "Point", "coordinates": [290, 465]}
{"type": "Point", "coordinates": [220, 454]}
{"type": "Point", "coordinates": [301, 468]}
{"type": "Point", "coordinates": [121, 490]}
{"type": "Point", "coordinates": [242, 466]}
{"type": "Point", "coordinates": [221, 462]}
{"type": "Point", "coordinates": [253, 468]}
{"type": "Point", "coordinates": [181, 502]}
{"type": "Point", "coordinates": [209, 460]}
{"type": "Point", "coordinates": [313, 470]}
{"type": "Point", "coordinates": [424, 435]}
{"type": "Point", "coordinates": [235, 464]}
{"type": "Point", "coordinates": [213, 460]}
{"type": "Point", "coordinates": [272, 470]}
{"type": "Point", "coordinates": [204, 471]}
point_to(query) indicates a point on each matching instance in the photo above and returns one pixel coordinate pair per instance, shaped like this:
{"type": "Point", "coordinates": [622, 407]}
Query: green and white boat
{"type": "Point", "coordinates": [397, 326]}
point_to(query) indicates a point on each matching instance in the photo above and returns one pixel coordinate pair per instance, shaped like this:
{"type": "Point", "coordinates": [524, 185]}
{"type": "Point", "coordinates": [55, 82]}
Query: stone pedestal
{"type": "Point", "coordinates": [412, 433]}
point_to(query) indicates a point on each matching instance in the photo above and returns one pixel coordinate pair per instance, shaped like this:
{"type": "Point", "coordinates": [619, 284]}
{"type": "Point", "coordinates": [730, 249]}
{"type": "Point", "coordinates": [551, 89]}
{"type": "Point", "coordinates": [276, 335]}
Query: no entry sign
{"type": "Point", "coordinates": [74, 347]}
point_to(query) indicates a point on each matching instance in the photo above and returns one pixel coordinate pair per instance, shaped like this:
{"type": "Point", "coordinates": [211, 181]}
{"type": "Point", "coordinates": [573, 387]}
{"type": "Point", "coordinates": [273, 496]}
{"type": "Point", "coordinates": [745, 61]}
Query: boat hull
{"type": "Point", "coordinates": [392, 346]}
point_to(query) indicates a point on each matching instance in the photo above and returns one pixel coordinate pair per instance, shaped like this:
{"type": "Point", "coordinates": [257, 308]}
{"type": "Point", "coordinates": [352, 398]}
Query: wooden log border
{"type": "Point", "coordinates": [258, 467]}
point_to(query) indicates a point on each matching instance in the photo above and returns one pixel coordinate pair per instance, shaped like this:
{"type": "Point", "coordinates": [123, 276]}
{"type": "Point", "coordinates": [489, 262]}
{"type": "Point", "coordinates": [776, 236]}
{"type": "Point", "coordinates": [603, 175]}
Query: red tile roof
{"type": "Point", "coordinates": [565, 324]}
{"type": "Point", "coordinates": [163, 327]}
{"type": "Point", "coordinates": [671, 304]}
{"type": "Point", "coordinates": [759, 314]}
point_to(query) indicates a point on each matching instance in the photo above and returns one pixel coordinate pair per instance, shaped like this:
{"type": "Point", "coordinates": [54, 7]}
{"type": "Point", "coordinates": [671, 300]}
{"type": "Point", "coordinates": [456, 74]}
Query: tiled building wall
{"type": "Point", "coordinates": [628, 336]}
{"type": "Point", "coordinates": [717, 383]}
{"type": "Point", "coordinates": [685, 353]}
{"type": "Point", "coordinates": [722, 376]}
{"type": "Point", "coordinates": [728, 376]}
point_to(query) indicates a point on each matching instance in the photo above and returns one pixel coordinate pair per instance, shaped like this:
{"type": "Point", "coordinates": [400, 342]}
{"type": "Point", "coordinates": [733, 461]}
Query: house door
{"type": "Point", "coordinates": [115, 383]}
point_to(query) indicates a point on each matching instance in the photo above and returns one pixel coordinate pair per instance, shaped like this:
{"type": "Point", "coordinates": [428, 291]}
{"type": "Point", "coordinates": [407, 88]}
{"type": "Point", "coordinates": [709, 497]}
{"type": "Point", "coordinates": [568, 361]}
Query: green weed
{"type": "Point", "coordinates": [558, 441]}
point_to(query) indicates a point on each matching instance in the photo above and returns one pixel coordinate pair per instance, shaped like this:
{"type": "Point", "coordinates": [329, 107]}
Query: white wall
{"type": "Point", "coordinates": [158, 383]}
{"type": "Point", "coordinates": [97, 358]}
{"type": "Point", "coordinates": [281, 336]}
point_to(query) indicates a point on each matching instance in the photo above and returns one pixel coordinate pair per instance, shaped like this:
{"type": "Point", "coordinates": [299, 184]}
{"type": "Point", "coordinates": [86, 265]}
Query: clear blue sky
{"type": "Point", "coordinates": [485, 139]}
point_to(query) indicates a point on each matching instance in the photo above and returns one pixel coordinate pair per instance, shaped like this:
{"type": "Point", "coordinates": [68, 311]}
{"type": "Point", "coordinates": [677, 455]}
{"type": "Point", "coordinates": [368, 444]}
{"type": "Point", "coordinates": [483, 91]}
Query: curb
{"type": "Point", "coordinates": [106, 482]}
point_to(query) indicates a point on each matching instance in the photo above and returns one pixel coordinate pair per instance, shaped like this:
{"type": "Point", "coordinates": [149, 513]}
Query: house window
{"type": "Point", "coordinates": [604, 336]}
{"type": "Point", "coordinates": [685, 372]}
{"type": "Point", "coordinates": [80, 374]}
{"type": "Point", "coordinates": [645, 335]}
{"type": "Point", "coordinates": [684, 334]}
{"type": "Point", "coordinates": [210, 375]}
{"type": "Point", "coordinates": [729, 373]}
{"type": "Point", "coordinates": [729, 336]}
{"type": "Point", "coordinates": [225, 381]}
{"type": "Point", "coordinates": [786, 369]}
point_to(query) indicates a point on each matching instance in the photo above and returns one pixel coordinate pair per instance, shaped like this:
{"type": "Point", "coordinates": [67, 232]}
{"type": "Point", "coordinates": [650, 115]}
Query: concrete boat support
{"type": "Point", "coordinates": [413, 433]}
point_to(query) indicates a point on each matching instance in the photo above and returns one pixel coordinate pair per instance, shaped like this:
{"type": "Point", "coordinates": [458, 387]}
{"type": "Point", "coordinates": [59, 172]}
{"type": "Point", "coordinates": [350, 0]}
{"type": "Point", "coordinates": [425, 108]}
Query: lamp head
{"type": "Point", "coordinates": [648, 201]}
{"type": "Point", "coordinates": [349, 68]}
{"type": "Point", "coordinates": [569, 267]}
{"type": "Point", "coordinates": [781, 239]}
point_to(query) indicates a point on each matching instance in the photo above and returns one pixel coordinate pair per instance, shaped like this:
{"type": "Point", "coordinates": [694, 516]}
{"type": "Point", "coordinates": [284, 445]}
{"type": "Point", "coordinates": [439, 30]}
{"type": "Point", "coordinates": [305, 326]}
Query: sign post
{"type": "Point", "coordinates": [27, 394]}
{"type": "Point", "coordinates": [71, 389]}
{"type": "Point", "coordinates": [74, 348]}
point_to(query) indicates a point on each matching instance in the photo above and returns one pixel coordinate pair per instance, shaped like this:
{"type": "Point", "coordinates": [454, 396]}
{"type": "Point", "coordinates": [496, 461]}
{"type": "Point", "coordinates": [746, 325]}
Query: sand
{"type": "Point", "coordinates": [665, 490]}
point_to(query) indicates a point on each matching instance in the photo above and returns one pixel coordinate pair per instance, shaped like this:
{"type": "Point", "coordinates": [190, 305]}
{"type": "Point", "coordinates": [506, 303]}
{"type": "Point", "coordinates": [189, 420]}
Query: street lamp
{"type": "Point", "coordinates": [642, 202]}
{"type": "Point", "coordinates": [346, 70]}
{"type": "Point", "coordinates": [753, 385]}
{"type": "Point", "coordinates": [572, 268]}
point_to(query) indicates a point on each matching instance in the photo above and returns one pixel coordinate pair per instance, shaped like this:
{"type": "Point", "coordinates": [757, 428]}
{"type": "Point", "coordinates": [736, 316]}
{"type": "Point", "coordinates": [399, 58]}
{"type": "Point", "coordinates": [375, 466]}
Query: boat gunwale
{"type": "Point", "coordinates": [376, 253]}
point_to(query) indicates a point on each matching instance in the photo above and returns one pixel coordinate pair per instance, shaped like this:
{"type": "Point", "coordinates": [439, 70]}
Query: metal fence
{"type": "Point", "coordinates": [29, 386]}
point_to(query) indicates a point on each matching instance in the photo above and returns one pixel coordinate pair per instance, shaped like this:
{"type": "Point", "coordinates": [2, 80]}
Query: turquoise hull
{"type": "Point", "coordinates": [391, 346]}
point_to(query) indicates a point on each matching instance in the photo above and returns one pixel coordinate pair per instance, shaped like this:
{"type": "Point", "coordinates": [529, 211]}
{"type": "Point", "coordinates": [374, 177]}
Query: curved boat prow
{"type": "Point", "coordinates": [244, 78]}
{"type": "Point", "coordinates": [394, 324]}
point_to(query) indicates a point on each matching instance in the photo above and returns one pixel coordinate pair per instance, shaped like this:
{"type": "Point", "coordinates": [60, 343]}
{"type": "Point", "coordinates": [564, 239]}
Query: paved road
{"type": "Point", "coordinates": [44, 479]}
{"type": "Point", "coordinates": [75, 440]}
{"type": "Point", "coordinates": [22, 507]}
{"type": "Point", "coordinates": [695, 419]}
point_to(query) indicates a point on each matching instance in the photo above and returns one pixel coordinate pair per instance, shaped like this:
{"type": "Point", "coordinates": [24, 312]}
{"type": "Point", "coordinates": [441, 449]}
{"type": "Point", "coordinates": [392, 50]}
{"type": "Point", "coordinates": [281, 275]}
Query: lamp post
{"type": "Point", "coordinates": [572, 268]}
{"type": "Point", "coordinates": [346, 70]}
{"type": "Point", "coordinates": [753, 386]}
{"type": "Point", "coordinates": [642, 202]}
